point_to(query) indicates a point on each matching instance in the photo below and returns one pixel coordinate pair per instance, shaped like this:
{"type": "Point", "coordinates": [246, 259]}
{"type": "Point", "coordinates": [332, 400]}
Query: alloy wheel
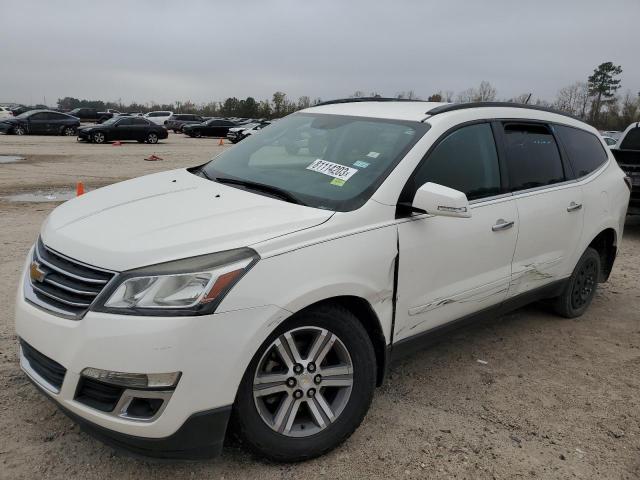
{"type": "Point", "coordinates": [303, 381]}
{"type": "Point", "coordinates": [98, 137]}
{"type": "Point", "coordinates": [19, 130]}
{"type": "Point", "coordinates": [152, 138]}
{"type": "Point", "coordinates": [69, 131]}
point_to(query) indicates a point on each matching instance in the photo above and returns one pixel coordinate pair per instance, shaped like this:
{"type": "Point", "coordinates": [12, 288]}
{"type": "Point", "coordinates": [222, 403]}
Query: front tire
{"type": "Point", "coordinates": [152, 138]}
{"type": "Point", "coordinates": [98, 137]}
{"type": "Point", "coordinates": [68, 131]}
{"type": "Point", "coordinates": [19, 130]}
{"type": "Point", "coordinates": [581, 288]}
{"type": "Point", "coordinates": [308, 387]}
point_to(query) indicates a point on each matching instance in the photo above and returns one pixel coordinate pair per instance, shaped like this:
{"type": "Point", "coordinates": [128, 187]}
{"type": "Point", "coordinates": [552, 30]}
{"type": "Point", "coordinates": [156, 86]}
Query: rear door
{"type": "Point", "coordinates": [453, 267]}
{"type": "Point", "coordinates": [140, 128]}
{"type": "Point", "coordinates": [549, 205]}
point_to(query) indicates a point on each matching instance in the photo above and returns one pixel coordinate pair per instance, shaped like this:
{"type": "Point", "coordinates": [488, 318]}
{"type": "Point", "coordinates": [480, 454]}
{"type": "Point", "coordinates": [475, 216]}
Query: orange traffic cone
{"type": "Point", "coordinates": [221, 142]}
{"type": "Point", "coordinates": [79, 189]}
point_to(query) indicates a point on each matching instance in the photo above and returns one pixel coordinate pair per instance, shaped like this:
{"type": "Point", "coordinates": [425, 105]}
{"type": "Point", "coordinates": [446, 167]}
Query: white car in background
{"type": "Point", "coordinates": [158, 117]}
{"type": "Point", "coordinates": [270, 288]}
{"type": "Point", "coordinates": [5, 112]}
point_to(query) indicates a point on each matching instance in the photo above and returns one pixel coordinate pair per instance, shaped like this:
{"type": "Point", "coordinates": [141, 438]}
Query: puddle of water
{"type": "Point", "coordinates": [42, 196]}
{"type": "Point", "coordinates": [10, 158]}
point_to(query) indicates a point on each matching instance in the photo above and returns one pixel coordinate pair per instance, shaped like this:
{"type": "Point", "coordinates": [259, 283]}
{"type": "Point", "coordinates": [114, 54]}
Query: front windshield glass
{"type": "Point", "coordinates": [326, 161]}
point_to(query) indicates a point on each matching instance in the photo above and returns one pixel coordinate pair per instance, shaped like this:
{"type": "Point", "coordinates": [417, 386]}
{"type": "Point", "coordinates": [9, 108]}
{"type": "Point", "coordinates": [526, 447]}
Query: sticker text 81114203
{"type": "Point", "coordinates": [331, 169]}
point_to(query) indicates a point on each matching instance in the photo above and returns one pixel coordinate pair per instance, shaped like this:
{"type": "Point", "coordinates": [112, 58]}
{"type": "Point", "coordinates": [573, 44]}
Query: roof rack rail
{"type": "Point", "coordinates": [365, 99]}
{"type": "Point", "coordinates": [450, 107]}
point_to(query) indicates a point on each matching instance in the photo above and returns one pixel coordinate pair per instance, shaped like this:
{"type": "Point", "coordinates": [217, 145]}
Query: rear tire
{"type": "Point", "coordinates": [581, 287]}
{"type": "Point", "coordinates": [68, 131]}
{"type": "Point", "coordinates": [326, 416]}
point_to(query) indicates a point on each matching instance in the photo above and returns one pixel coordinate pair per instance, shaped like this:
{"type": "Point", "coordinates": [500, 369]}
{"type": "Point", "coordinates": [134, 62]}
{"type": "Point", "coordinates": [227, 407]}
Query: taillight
{"type": "Point", "coordinates": [627, 180]}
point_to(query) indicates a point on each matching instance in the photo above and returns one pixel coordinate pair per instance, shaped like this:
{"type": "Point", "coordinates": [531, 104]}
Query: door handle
{"type": "Point", "coordinates": [573, 206]}
{"type": "Point", "coordinates": [502, 224]}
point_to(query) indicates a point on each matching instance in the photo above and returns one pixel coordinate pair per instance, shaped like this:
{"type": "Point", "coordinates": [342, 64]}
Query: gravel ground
{"type": "Point", "coordinates": [557, 398]}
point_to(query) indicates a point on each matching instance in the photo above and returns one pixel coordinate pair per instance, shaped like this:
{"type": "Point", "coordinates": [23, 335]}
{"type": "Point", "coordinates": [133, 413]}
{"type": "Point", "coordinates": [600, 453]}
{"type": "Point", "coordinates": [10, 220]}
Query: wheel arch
{"type": "Point", "coordinates": [606, 244]}
{"type": "Point", "coordinates": [367, 316]}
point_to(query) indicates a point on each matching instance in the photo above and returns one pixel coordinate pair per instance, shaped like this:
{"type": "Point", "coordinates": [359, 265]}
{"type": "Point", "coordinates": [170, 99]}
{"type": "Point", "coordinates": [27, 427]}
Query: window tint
{"type": "Point", "coordinates": [139, 121]}
{"type": "Point", "coordinates": [466, 160]}
{"type": "Point", "coordinates": [585, 151]}
{"type": "Point", "coordinates": [631, 140]}
{"type": "Point", "coordinates": [39, 116]}
{"type": "Point", "coordinates": [124, 121]}
{"type": "Point", "coordinates": [533, 158]}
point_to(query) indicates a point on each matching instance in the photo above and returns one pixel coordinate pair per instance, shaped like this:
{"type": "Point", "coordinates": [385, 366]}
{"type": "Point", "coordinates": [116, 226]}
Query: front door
{"type": "Point", "coordinates": [452, 267]}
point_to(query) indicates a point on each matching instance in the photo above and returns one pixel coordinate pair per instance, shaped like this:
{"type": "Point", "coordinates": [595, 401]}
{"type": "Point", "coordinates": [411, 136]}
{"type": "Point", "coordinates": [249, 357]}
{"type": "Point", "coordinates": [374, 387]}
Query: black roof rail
{"type": "Point", "coordinates": [365, 99]}
{"type": "Point", "coordinates": [450, 107]}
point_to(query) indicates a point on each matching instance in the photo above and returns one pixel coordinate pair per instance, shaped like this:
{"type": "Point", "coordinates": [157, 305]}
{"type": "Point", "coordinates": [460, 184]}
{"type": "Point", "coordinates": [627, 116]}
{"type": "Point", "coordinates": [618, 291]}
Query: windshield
{"type": "Point", "coordinates": [326, 161]}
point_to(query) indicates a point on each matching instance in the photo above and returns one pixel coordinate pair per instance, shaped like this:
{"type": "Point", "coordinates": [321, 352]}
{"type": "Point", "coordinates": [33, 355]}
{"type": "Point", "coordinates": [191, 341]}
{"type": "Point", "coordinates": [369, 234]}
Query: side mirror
{"type": "Point", "coordinates": [436, 199]}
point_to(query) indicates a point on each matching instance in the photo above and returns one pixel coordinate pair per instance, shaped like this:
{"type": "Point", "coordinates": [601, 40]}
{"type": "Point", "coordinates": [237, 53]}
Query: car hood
{"type": "Point", "coordinates": [168, 216]}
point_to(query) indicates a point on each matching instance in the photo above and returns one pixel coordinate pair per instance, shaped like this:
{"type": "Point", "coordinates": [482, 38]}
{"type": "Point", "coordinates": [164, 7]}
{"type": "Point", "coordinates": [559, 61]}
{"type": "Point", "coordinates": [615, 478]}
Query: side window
{"type": "Point", "coordinates": [39, 116]}
{"type": "Point", "coordinates": [139, 121]}
{"type": "Point", "coordinates": [533, 158]}
{"type": "Point", "coordinates": [124, 122]}
{"type": "Point", "coordinates": [631, 140]}
{"type": "Point", "coordinates": [465, 160]}
{"type": "Point", "coordinates": [585, 151]}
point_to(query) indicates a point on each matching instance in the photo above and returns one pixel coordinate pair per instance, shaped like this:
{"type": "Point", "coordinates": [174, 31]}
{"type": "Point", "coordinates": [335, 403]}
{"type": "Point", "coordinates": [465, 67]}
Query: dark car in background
{"type": "Point", "coordinates": [215, 127]}
{"type": "Point", "coordinates": [627, 154]}
{"type": "Point", "coordinates": [176, 121]}
{"type": "Point", "coordinates": [124, 128]}
{"type": "Point", "coordinates": [40, 122]}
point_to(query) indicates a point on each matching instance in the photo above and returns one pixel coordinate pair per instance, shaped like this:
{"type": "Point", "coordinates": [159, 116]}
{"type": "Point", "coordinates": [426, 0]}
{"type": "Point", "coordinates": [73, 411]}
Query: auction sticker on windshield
{"type": "Point", "coordinates": [334, 170]}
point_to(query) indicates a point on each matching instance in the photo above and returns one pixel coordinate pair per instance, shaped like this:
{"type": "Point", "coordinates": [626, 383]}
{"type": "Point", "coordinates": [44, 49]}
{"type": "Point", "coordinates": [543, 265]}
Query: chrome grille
{"type": "Point", "coordinates": [62, 285]}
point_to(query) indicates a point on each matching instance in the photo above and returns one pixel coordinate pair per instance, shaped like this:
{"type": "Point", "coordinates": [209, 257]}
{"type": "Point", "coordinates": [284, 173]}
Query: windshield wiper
{"type": "Point", "coordinates": [269, 189]}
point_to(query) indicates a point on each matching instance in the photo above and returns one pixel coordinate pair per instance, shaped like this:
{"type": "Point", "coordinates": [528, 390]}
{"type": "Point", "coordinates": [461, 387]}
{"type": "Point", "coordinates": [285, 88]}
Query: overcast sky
{"type": "Point", "coordinates": [163, 51]}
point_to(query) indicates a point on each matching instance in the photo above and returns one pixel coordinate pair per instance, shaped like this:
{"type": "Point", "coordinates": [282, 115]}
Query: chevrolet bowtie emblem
{"type": "Point", "coordinates": [35, 273]}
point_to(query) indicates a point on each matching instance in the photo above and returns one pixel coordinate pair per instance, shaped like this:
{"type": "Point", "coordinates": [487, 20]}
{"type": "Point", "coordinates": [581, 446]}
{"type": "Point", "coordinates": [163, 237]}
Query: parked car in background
{"type": "Point", "coordinates": [40, 122]}
{"type": "Point", "coordinates": [176, 121]}
{"type": "Point", "coordinates": [211, 128]}
{"type": "Point", "coordinates": [239, 133]}
{"type": "Point", "coordinates": [5, 112]}
{"type": "Point", "coordinates": [124, 128]}
{"type": "Point", "coordinates": [627, 153]}
{"type": "Point", "coordinates": [91, 114]}
{"type": "Point", "coordinates": [158, 117]}
{"type": "Point", "coordinates": [268, 291]}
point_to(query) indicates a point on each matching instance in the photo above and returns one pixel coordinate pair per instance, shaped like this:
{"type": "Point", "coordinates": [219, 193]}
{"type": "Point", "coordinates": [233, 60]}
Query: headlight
{"type": "Point", "coordinates": [193, 286]}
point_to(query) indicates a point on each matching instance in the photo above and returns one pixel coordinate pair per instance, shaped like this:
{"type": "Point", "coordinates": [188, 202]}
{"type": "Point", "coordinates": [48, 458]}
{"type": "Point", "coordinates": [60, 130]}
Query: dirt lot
{"type": "Point", "coordinates": [556, 399]}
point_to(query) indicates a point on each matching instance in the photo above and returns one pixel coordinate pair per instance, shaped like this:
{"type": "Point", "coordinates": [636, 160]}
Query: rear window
{"type": "Point", "coordinates": [585, 151]}
{"type": "Point", "coordinates": [533, 158]}
{"type": "Point", "coordinates": [631, 140]}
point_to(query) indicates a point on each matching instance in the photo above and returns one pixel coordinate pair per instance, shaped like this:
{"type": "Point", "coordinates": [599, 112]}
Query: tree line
{"type": "Point", "coordinates": [595, 100]}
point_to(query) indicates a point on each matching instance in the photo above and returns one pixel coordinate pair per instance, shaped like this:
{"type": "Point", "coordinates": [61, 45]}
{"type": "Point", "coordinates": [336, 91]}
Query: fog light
{"type": "Point", "coordinates": [134, 380]}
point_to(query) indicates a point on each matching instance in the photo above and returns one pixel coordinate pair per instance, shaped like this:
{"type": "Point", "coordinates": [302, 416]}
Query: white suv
{"type": "Point", "coordinates": [273, 285]}
{"type": "Point", "coordinates": [158, 117]}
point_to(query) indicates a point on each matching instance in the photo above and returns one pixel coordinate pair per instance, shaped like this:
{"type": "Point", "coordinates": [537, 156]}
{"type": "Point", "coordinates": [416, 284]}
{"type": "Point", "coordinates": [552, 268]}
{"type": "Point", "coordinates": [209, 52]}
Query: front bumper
{"type": "Point", "coordinates": [211, 351]}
